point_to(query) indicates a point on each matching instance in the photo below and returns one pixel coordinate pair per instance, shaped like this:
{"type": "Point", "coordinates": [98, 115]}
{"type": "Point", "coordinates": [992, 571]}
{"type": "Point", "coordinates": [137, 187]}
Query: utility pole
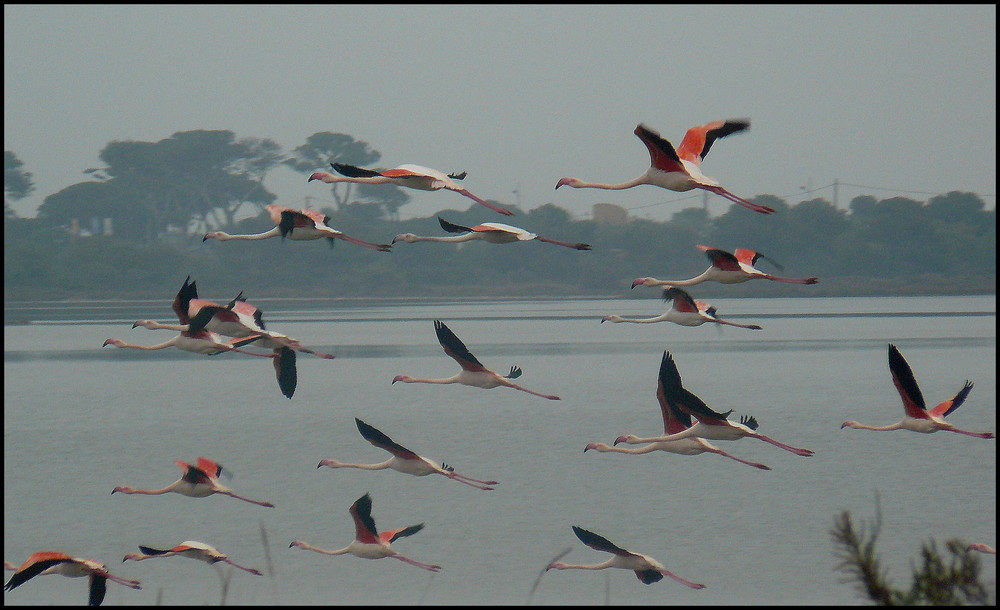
{"type": "Point", "coordinates": [836, 183]}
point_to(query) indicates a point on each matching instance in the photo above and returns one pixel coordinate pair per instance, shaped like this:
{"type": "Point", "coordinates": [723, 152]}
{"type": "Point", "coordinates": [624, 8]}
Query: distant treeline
{"type": "Point", "coordinates": [134, 227]}
{"type": "Point", "coordinates": [896, 246]}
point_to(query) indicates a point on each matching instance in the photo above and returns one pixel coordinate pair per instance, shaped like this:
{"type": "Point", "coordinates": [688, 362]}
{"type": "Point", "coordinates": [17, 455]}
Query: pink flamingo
{"type": "Point", "coordinates": [917, 417]}
{"type": "Point", "coordinates": [982, 548]}
{"type": "Point", "coordinates": [237, 319]}
{"type": "Point", "coordinates": [409, 176]}
{"type": "Point", "coordinates": [473, 372]}
{"type": "Point", "coordinates": [299, 225]}
{"type": "Point", "coordinates": [711, 424]}
{"type": "Point", "coordinates": [684, 310]}
{"type": "Point", "coordinates": [54, 562]}
{"type": "Point", "coordinates": [191, 549]}
{"type": "Point", "coordinates": [198, 481]}
{"type": "Point", "coordinates": [647, 569]}
{"type": "Point", "coordinates": [679, 170]}
{"type": "Point", "coordinates": [403, 460]}
{"type": "Point", "coordinates": [728, 269]}
{"type": "Point", "coordinates": [490, 232]}
{"type": "Point", "coordinates": [368, 543]}
{"type": "Point", "coordinates": [674, 422]}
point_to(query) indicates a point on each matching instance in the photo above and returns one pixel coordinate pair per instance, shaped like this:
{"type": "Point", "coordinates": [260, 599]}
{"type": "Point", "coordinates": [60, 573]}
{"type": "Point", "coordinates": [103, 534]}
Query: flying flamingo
{"type": "Point", "coordinates": [711, 425]}
{"type": "Point", "coordinates": [684, 310]}
{"type": "Point", "coordinates": [409, 176]}
{"type": "Point", "coordinates": [298, 225]}
{"type": "Point", "coordinates": [206, 342]}
{"type": "Point", "coordinates": [680, 170]}
{"type": "Point", "coordinates": [54, 562]}
{"type": "Point", "coordinates": [647, 569]}
{"type": "Point", "coordinates": [368, 543]}
{"type": "Point", "coordinates": [674, 421]}
{"type": "Point", "coordinates": [473, 372]}
{"type": "Point", "coordinates": [191, 549]}
{"type": "Point", "coordinates": [728, 269]}
{"type": "Point", "coordinates": [403, 460]}
{"type": "Point", "coordinates": [918, 417]}
{"type": "Point", "coordinates": [237, 319]}
{"type": "Point", "coordinates": [198, 481]}
{"type": "Point", "coordinates": [492, 232]}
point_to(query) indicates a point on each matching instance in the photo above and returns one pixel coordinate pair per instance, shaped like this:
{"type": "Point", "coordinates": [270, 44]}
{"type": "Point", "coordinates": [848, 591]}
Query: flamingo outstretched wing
{"type": "Point", "coordinates": [906, 384]}
{"type": "Point", "coordinates": [662, 155]}
{"type": "Point", "coordinates": [454, 347]}
{"type": "Point", "coordinates": [698, 140]}
{"type": "Point", "coordinates": [379, 439]}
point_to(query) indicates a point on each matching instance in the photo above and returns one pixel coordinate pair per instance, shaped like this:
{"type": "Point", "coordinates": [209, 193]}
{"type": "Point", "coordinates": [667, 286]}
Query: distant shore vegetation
{"type": "Point", "coordinates": [135, 228]}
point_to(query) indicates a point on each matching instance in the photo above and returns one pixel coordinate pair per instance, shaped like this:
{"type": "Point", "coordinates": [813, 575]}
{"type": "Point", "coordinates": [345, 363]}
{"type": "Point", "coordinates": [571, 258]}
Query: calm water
{"type": "Point", "coordinates": [79, 420]}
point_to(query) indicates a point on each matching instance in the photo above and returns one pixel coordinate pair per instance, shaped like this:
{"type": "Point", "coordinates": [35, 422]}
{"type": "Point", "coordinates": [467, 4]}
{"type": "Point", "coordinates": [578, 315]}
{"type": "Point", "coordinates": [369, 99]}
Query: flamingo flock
{"type": "Point", "coordinates": [210, 328]}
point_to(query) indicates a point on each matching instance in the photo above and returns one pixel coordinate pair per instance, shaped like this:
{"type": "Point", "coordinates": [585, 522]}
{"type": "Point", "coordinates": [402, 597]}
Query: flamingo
{"type": "Point", "coordinates": [728, 269]}
{"type": "Point", "coordinates": [207, 342]}
{"type": "Point", "coordinates": [409, 176]}
{"type": "Point", "coordinates": [198, 481]}
{"type": "Point", "coordinates": [403, 460]}
{"type": "Point", "coordinates": [492, 232]}
{"type": "Point", "coordinates": [54, 562]}
{"type": "Point", "coordinates": [711, 424]}
{"type": "Point", "coordinates": [918, 417]}
{"type": "Point", "coordinates": [299, 225]}
{"type": "Point", "coordinates": [368, 543]}
{"type": "Point", "coordinates": [191, 549]}
{"type": "Point", "coordinates": [647, 569]}
{"type": "Point", "coordinates": [684, 310]}
{"type": "Point", "coordinates": [982, 548]}
{"type": "Point", "coordinates": [674, 421]}
{"type": "Point", "coordinates": [473, 372]}
{"type": "Point", "coordinates": [237, 319]}
{"type": "Point", "coordinates": [680, 170]}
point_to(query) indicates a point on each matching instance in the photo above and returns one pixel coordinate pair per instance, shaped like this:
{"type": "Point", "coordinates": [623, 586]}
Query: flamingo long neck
{"type": "Point", "coordinates": [707, 275]}
{"type": "Point", "coordinates": [853, 424]}
{"type": "Point", "coordinates": [331, 179]}
{"type": "Point", "coordinates": [449, 238]}
{"type": "Point", "coordinates": [634, 451]}
{"type": "Point", "coordinates": [442, 381]}
{"type": "Point", "coordinates": [379, 466]}
{"type": "Point", "coordinates": [580, 184]}
{"type": "Point", "coordinates": [222, 236]}
{"type": "Point", "coordinates": [619, 319]}
{"type": "Point", "coordinates": [571, 566]}
{"type": "Point", "coordinates": [316, 549]}
{"type": "Point", "coordinates": [163, 345]}
{"type": "Point", "coordinates": [150, 492]}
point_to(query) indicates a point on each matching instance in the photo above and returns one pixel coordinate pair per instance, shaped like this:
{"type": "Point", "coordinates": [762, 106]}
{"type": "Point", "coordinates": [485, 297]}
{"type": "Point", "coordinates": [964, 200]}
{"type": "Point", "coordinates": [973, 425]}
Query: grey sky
{"type": "Point", "coordinates": [895, 97]}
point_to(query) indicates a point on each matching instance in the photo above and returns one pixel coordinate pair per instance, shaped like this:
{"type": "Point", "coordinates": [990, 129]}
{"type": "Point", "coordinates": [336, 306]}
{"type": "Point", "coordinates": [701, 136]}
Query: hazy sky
{"type": "Point", "coordinates": [902, 98]}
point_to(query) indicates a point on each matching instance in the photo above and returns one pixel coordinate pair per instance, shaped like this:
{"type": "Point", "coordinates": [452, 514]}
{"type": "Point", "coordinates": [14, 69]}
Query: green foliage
{"type": "Point", "coordinates": [17, 183]}
{"type": "Point", "coordinates": [937, 581]}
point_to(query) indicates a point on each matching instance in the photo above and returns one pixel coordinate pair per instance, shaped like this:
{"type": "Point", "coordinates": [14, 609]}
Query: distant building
{"type": "Point", "coordinates": [610, 214]}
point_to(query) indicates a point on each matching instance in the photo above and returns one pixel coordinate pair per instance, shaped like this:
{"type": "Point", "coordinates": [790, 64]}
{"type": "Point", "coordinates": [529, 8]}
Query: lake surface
{"type": "Point", "coordinates": [79, 420]}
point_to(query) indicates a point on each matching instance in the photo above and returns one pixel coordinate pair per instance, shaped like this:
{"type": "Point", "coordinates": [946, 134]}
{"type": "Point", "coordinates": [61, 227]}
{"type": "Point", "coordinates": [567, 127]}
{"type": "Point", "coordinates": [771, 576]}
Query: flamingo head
{"type": "Point", "coordinates": [297, 543]}
{"type": "Point", "coordinates": [568, 182]}
{"type": "Point", "coordinates": [848, 424]}
{"type": "Point", "coordinates": [328, 464]}
{"type": "Point", "coordinates": [121, 488]}
{"type": "Point", "coordinates": [133, 557]}
{"type": "Point", "coordinates": [143, 323]}
{"type": "Point", "coordinates": [591, 446]}
{"type": "Point", "coordinates": [220, 235]}
{"type": "Point", "coordinates": [403, 378]}
{"type": "Point", "coordinates": [641, 281]}
{"type": "Point", "coordinates": [624, 438]}
{"type": "Point", "coordinates": [407, 237]}
{"type": "Point", "coordinates": [319, 176]}
{"type": "Point", "coordinates": [555, 565]}
{"type": "Point", "coordinates": [115, 342]}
